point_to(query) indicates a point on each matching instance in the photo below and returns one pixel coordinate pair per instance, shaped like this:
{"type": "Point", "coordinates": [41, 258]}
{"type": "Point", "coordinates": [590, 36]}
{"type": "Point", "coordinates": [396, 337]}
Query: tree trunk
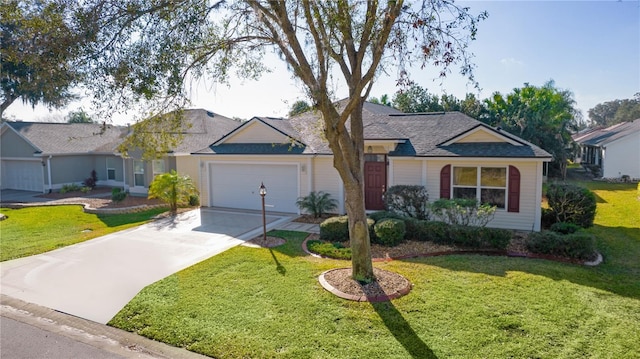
{"type": "Point", "coordinates": [362, 266]}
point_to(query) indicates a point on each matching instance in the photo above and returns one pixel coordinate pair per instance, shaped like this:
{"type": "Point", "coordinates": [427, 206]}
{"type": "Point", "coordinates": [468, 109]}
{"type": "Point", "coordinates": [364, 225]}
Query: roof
{"type": "Point", "coordinates": [205, 128]}
{"type": "Point", "coordinates": [70, 138]}
{"type": "Point", "coordinates": [420, 134]}
{"type": "Point", "coordinates": [604, 136]}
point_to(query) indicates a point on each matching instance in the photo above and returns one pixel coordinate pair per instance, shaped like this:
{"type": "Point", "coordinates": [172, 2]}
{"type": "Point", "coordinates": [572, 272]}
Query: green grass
{"type": "Point", "coordinates": [34, 230]}
{"type": "Point", "coordinates": [263, 303]}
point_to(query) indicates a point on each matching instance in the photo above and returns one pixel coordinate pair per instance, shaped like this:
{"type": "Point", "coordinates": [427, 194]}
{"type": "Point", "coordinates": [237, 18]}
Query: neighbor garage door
{"type": "Point", "coordinates": [236, 186]}
{"type": "Point", "coordinates": [22, 175]}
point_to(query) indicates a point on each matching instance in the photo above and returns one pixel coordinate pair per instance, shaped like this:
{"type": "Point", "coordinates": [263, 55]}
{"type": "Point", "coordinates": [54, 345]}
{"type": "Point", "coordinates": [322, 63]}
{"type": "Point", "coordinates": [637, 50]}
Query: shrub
{"type": "Point", "coordinates": [464, 212]}
{"type": "Point", "coordinates": [92, 180]}
{"type": "Point", "coordinates": [69, 188]}
{"type": "Point", "coordinates": [194, 200]}
{"type": "Point", "coordinates": [565, 228]}
{"type": "Point", "coordinates": [332, 250]}
{"type": "Point", "coordinates": [548, 218]}
{"type": "Point", "coordinates": [317, 203]}
{"type": "Point", "coordinates": [572, 204]}
{"type": "Point", "coordinates": [377, 216]}
{"type": "Point", "coordinates": [85, 189]}
{"type": "Point", "coordinates": [494, 237]}
{"type": "Point", "coordinates": [389, 231]}
{"type": "Point", "coordinates": [118, 195]}
{"type": "Point", "coordinates": [579, 245]}
{"type": "Point", "coordinates": [410, 201]}
{"type": "Point", "coordinates": [173, 189]}
{"type": "Point", "coordinates": [335, 229]}
{"type": "Point", "coordinates": [435, 231]}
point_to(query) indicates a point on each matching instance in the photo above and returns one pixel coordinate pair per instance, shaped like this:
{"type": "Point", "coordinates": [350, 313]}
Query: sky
{"type": "Point", "coordinates": [591, 48]}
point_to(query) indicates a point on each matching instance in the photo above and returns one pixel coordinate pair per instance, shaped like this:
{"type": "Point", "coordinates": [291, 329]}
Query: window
{"type": "Point", "coordinates": [138, 173]}
{"type": "Point", "coordinates": [485, 184]}
{"type": "Point", "coordinates": [158, 167]}
{"type": "Point", "coordinates": [111, 169]}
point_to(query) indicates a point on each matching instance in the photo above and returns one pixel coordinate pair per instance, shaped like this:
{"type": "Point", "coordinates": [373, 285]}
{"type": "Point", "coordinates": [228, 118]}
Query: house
{"type": "Point", "coordinates": [44, 157]}
{"type": "Point", "coordinates": [451, 154]}
{"type": "Point", "coordinates": [615, 149]}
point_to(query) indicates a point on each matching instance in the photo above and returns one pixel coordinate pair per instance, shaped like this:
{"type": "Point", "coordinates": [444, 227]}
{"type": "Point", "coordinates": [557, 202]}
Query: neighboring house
{"type": "Point", "coordinates": [615, 149]}
{"type": "Point", "coordinates": [45, 156]}
{"type": "Point", "coordinates": [451, 154]}
{"type": "Point", "coordinates": [200, 129]}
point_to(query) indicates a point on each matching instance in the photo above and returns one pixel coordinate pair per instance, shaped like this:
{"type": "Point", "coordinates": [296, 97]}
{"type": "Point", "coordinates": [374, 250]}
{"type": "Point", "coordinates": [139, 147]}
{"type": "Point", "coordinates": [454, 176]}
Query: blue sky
{"type": "Point", "coordinates": [591, 48]}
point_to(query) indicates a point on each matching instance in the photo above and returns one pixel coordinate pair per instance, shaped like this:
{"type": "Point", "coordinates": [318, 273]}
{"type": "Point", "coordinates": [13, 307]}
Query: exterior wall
{"type": "Point", "coordinates": [71, 169]}
{"type": "Point", "coordinates": [257, 132]}
{"type": "Point", "coordinates": [405, 172]}
{"type": "Point", "coordinates": [12, 145]}
{"type": "Point", "coordinates": [622, 157]}
{"type": "Point", "coordinates": [528, 219]}
{"type": "Point", "coordinates": [480, 136]}
{"type": "Point", "coordinates": [327, 179]}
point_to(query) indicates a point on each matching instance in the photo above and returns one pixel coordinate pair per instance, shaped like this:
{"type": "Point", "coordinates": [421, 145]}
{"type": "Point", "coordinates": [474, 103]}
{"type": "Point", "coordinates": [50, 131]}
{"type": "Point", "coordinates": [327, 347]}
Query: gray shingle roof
{"type": "Point", "coordinates": [206, 128]}
{"type": "Point", "coordinates": [70, 138]}
{"type": "Point", "coordinates": [607, 135]}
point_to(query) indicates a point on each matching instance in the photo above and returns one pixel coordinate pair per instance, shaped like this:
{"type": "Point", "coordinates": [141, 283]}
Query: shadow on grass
{"type": "Point", "coordinates": [402, 331]}
{"type": "Point", "coordinates": [617, 274]}
{"type": "Point", "coordinates": [279, 267]}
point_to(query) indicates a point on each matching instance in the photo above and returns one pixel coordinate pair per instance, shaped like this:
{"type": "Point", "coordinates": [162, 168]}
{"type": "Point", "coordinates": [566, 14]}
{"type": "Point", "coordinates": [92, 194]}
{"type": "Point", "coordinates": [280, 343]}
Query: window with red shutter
{"type": "Point", "coordinates": [445, 182]}
{"type": "Point", "coordinates": [514, 190]}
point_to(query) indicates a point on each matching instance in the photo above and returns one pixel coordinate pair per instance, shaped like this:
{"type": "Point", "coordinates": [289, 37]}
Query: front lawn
{"type": "Point", "coordinates": [34, 230]}
{"type": "Point", "coordinates": [257, 302]}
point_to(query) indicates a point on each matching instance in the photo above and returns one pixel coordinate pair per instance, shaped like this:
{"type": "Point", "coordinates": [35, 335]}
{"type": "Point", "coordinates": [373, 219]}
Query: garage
{"type": "Point", "coordinates": [235, 185]}
{"type": "Point", "coordinates": [22, 175]}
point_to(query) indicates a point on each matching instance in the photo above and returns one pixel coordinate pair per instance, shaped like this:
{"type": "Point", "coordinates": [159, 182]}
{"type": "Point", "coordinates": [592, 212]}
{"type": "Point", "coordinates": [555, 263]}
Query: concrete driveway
{"type": "Point", "coordinates": [96, 278]}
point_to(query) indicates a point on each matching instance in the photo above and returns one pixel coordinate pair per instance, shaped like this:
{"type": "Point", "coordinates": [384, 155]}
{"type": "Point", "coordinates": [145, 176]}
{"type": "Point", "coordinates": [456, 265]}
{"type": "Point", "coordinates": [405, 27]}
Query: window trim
{"type": "Point", "coordinates": [110, 166]}
{"type": "Point", "coordinates": [135, 184]}
{"type": "Point", "coordinates": [479, 187]}
{"type": "Point", "coordinates": [153, 167]}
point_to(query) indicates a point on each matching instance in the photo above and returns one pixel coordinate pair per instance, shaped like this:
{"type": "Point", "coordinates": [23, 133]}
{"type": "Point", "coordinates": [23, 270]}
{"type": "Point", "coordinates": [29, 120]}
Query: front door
{"type": "Point", "coordinates": [375, 181]}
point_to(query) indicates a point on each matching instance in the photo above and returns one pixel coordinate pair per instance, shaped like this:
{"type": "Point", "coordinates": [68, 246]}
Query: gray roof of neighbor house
{"type": "Point", "coordinates": [603, 136]}
{"type": "Point", "coordinates": [420, 134]}
{"type": "Point", "coordinates": [206, 127]}
{"type": "Point", "coordinates": [70, 138]}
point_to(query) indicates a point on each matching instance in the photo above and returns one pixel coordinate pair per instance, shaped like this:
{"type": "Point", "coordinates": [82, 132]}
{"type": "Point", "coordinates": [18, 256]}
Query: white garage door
{"type": "Point", "coordinates": [22, 175]}
{"type": "Point", "coordinates": [236, 186]}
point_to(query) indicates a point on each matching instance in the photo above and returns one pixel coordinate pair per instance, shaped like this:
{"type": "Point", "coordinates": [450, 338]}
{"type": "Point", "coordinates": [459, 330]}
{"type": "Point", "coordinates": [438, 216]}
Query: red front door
{"type": "Point", "coordinates": [375, 184]}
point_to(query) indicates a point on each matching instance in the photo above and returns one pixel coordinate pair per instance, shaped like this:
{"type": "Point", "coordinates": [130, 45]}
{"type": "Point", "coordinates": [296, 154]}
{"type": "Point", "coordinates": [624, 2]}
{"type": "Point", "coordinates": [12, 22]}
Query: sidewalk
{"type": "Point", "coordinates": [300, 227]}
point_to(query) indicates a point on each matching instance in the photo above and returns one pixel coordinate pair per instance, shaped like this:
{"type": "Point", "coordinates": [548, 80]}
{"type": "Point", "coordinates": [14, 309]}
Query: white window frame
{"type": "Point", "coordinates": [111, 167]}
{"type": "Point", "coordinates": [135, 183]}
{"type": "Point", "coordinates": [479, 187]}
{"type": "Point", "coordinates": [155, 164]}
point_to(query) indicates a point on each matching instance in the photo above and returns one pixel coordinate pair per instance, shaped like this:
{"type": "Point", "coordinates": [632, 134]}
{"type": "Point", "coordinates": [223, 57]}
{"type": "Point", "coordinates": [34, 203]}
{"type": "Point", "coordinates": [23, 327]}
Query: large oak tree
{"type": "Point", "coordinates": [149, 49]}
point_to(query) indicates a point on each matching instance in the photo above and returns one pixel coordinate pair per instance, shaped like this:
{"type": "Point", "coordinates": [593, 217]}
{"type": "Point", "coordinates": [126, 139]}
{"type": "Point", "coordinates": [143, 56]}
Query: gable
{"type": "Point", "coordinates": [481, 134]}
{"type": "Point", "coordinates": [14, 145]}
{"type": "Point", "coordinates": [256, 132]}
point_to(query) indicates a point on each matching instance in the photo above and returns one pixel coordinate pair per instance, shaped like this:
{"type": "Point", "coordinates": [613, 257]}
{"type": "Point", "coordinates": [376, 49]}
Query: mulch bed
{"type": "Point", "coordinates": [102, 201]}
{"type": "Point", "coordinates": [270, 242]}
{"type": "Point", "coordinates": [387, 286]}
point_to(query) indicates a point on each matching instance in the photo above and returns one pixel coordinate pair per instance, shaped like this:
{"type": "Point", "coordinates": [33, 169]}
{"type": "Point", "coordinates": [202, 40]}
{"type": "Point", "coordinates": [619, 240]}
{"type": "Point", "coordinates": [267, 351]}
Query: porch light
{"type": "Point", "coordinates": [263, 190]}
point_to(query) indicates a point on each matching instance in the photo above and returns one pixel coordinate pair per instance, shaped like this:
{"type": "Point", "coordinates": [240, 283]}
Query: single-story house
{"type": "Point", "coordinates": [615, 149]}
{"type": "Point", "coordinates": [43, 157]}
{"type": "Point", "coordinates": [451, 154]}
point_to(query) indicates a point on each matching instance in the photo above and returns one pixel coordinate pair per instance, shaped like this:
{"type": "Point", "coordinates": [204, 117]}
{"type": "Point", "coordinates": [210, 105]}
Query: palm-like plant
{"type": "Point", "coordinates": [317, 203]}
{"type": "Point", "coordinates": [173, 189]}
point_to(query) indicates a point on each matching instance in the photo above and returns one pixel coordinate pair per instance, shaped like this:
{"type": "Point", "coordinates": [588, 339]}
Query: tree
{"type": "Point", "coordinates": [320, 41]}
{"type": "Point", "coordinates": [544, 116]}
{"type": "Point", "coordinates": [384, 100]}
{"type": "Point", "coordinates": [40, 46]}
{"type": "Point", "coordinates": [78, 116]}
{"type": "Point", "coordinates": [299, 107]}
{"type": "Point", "coordinates": [612, 112]}
{"type": "Point", "coordinates": [416, 99]}
{"type": "Point", "coordinates": [173, 189]}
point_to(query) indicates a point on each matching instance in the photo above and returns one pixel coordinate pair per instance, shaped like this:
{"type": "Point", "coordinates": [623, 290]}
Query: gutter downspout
{"type": "Point", "coordinates": [49, 173]}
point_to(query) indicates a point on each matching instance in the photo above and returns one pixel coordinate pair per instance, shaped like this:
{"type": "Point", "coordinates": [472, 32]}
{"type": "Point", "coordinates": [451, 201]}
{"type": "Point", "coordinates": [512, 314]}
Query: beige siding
{"type": "Point", "coordinates": [530, 183]}
{"type": "Point", "coordinates": [257, 132]}
{"type": "Point", "coordinates": [480, 136]}
{"type": "Point", "coordinates": [622, 157]}
{"type": "Point", "coordinates": [405, 172]}
{"type": "Point", "coordinates": [327, 179]}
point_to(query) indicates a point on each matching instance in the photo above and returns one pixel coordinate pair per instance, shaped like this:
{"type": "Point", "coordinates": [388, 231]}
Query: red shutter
{"type": "Point", "coordinates": [514, 190]}
{"type": "Point", "coordinates": [445, 182]}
